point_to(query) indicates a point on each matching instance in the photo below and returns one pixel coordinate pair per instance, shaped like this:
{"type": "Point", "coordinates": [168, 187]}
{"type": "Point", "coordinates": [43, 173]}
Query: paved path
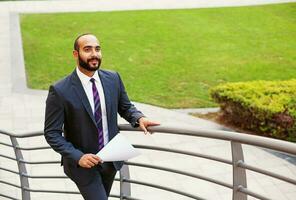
{"type": "Point", "coordinates": [22, 110]}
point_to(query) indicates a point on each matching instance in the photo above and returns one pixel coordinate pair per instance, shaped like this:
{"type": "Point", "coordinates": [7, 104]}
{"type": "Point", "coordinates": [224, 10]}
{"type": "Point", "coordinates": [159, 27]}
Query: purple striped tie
{"type": "Point", "coordinates": [98, 114]}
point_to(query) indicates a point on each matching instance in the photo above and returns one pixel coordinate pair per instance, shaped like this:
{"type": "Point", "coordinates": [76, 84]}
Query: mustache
{"type": "Point", "coordinates": [93, 58]}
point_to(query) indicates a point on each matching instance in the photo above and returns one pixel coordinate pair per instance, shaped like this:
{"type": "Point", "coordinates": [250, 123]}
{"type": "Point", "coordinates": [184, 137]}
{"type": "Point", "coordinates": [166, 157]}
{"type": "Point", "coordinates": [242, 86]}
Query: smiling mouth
{"type": "Point", "coordinates": [94, 61]}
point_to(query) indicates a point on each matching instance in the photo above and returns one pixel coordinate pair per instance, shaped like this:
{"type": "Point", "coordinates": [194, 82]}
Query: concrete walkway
{"type": "Point", "coordinates": [22, 110]}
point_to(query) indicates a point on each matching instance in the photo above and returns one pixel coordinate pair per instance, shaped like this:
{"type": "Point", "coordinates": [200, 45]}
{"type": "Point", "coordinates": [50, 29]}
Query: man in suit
{"type": "Point", "coordinates": [81, 117]}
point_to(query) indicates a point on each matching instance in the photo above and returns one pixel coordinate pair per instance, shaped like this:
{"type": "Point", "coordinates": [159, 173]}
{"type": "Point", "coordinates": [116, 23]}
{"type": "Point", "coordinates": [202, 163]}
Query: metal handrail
{"type": "Point", "coordinates": [262, 171]}
{"type": "Point", "coordinates": [278, 145]}
{"type": "Point", "coordinates": [180, 172]}
{"type": "Point", "coordinates": [163, 188]}
{"type": "Point", "coordinates": [254, 140]}
{"type": "Point", "coordinates": [8, 197]}
{"type": "Point", "coordinates": [253, 194]}
{"type": "Point", "coordinates": [239, 186]}
{"type": "Point", "coordinates": [188, 153]}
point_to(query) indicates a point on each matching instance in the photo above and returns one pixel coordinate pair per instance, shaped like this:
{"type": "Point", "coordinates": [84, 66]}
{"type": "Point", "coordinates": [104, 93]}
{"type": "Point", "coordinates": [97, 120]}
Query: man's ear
{"type": "Point", "coordinates": [75, 53]}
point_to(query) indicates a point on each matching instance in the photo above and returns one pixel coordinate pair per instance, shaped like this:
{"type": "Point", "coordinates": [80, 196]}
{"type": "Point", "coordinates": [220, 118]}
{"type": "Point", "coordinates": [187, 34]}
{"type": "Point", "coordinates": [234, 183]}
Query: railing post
{"type": "Point", "coordinates": [125, 188]}
{"type": "Point", "coordinates": [239, 174]}
{"type": "Point", "coordinates": [22, 169]}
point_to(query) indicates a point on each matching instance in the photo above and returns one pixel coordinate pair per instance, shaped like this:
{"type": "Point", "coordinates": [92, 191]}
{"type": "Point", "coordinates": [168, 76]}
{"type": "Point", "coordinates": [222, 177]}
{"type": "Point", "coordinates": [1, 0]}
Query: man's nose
{"type": "Point", "coordinates": [94, 52]}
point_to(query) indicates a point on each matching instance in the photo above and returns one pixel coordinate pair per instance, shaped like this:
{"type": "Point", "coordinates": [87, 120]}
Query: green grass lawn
{"type": "Point", "coordinates": [169, 58]}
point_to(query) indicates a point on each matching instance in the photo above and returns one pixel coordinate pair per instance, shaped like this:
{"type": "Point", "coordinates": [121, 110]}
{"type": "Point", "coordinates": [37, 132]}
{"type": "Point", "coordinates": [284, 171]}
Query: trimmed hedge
{"type": "Point", "coordinates": [266, 107]}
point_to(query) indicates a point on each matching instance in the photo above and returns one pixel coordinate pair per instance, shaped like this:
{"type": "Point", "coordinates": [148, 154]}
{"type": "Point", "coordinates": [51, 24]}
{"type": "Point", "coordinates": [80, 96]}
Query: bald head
{"type": "Point", "coordinates": [82, 37]}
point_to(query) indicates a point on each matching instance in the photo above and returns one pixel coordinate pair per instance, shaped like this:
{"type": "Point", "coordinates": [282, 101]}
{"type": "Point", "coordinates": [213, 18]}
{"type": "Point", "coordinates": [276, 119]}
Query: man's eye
{"type": "Point", "coordinates": [98, 49]}
{"type": "Point", "coordinates": [87, 49]}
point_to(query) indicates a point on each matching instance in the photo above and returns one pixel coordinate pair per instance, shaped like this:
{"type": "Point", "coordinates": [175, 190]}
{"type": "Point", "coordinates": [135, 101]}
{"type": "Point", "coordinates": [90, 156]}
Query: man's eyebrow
{"type": "Point", "coordinates": [89, 46]}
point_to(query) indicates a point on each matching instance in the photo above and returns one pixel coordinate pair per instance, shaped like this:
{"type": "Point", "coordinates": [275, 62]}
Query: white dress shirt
{"type": "Point", "coordinates": [87, 86]}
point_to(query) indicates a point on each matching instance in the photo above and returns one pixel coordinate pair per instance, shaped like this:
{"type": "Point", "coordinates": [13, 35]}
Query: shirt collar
{"type": "Point", "coordinates": [86, 79]}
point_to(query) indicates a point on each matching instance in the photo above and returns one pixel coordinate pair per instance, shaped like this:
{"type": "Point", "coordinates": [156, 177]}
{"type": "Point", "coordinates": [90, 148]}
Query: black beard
{"type": "Point", "coordinates": [86, 66]}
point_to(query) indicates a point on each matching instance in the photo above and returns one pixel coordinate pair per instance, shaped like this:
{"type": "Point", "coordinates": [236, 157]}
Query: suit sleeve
{"type": "Point", "coordinates": [125, 108]}
{"type": "Point", "coordinates": [53, 127]}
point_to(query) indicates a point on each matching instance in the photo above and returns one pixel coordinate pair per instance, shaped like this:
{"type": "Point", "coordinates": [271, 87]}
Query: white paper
{"type": "Point", "coordinates": [118, 149]}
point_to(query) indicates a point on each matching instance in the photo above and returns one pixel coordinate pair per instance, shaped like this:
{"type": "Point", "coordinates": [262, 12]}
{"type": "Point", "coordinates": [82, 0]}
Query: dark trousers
{"type": "Point", "coordinates": [100, 187]}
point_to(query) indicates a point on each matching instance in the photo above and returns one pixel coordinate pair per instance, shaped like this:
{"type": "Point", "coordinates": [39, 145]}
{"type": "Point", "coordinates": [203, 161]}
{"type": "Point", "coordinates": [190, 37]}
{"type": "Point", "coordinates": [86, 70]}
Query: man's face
{"type": "Point", "coordinates": [89, 55]}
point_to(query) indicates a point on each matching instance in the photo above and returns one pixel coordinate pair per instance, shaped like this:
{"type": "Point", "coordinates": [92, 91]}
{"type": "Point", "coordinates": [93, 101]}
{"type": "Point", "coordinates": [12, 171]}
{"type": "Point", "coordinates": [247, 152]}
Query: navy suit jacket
{"type": "Point", "coordinates": [70, 127]}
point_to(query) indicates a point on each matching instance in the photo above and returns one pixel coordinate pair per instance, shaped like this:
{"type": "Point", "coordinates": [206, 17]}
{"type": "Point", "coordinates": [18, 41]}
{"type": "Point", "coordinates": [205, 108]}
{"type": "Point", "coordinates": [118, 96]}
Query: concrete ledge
{"type": "Point", "coordinates": [18, 72]}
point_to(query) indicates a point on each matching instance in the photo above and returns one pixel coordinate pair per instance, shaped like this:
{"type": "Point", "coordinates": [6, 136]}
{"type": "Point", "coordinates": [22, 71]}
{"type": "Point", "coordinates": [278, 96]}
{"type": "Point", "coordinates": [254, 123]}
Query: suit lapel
{"type": "Point", "coordinates": [106, 87]}
{"type": "Point", "coordinates": [78, 88]}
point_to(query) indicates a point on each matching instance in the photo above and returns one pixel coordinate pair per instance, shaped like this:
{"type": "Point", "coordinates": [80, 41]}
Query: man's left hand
{"type": "Point", "coordinates": [144, 123]}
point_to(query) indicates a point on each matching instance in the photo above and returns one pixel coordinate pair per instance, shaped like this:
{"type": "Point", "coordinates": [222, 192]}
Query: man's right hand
{"type": "Point", "coordinates": [89, 160]}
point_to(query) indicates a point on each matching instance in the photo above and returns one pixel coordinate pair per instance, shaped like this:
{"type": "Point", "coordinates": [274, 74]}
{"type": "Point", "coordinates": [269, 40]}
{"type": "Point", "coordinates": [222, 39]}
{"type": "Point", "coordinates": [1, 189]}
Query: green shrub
{"type": "Point", "coordinates": [266, 107]}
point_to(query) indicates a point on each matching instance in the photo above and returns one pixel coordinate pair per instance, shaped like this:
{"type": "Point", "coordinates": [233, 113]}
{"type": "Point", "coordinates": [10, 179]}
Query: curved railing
{"type": "Point", "coordinates": [238, 186]}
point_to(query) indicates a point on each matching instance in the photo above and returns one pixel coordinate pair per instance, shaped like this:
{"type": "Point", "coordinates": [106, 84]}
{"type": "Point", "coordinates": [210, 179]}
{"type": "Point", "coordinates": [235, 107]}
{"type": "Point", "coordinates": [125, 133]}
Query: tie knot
{"type": "Point", "coordinates": [92, 80]}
